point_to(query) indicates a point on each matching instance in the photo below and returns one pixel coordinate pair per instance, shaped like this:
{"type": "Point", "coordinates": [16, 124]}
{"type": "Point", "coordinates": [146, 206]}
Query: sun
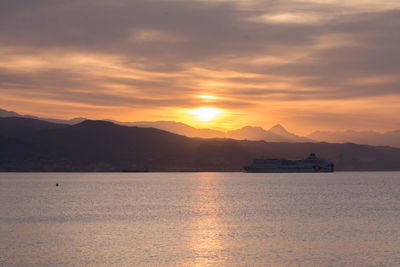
{"type": "Point", "coordinates": [205, 114]}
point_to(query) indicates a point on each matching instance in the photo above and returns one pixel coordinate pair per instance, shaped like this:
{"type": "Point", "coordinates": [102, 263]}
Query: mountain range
{"type": "Point", "coordinates": [29, 144]}
{"type": "Point", "coordinates": [390, 138]}
{"type": "Point", "coordinates": [275, 134]}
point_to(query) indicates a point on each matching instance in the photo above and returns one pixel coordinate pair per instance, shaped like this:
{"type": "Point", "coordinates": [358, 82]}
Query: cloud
{"type": "Point", "coordinates": [289, 18]}
{"type": "Point", "coordinates": [152, 35]}
{"type": "Point", "coordinates": [141, 55]}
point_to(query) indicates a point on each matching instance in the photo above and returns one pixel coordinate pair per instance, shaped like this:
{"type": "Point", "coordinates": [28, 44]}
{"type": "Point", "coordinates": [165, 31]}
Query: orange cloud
{"type": "Point", "coordinates": [259, 64]}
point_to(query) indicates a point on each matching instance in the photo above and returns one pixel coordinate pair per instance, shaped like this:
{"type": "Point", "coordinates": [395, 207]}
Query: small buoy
{"type": "Point", "coordinates": [56, 184]}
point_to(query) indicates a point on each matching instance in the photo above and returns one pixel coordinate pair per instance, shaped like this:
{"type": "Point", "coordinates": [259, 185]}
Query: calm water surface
{"type": "Point", "coordinates": [200, 219]}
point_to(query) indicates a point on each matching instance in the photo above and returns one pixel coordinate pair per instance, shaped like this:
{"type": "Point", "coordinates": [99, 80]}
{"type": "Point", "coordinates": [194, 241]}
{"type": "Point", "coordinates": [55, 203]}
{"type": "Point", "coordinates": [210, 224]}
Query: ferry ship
{"type": "Point", "coordinates": [309, 164]}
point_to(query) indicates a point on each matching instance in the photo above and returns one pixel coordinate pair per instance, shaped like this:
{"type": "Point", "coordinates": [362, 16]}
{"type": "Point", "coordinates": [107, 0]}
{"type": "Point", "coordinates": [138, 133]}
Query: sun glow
{"type": "Point", "coordinates": [205, 114]}
{"type": "Point", "coordinates": [206, 97]}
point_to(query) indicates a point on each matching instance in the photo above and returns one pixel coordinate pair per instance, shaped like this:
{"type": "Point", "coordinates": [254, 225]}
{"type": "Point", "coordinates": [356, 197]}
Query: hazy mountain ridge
{"type": "Point", "coordinates": [177, 127]}
{"type": "Point", "coordinates": [105, 146]}
{"type": "Point", "coordinates": [275, 134]}
{"type": "Point", "coordinates": [390, 138]}
{"type": "Point", "coordinates": [5, 114]}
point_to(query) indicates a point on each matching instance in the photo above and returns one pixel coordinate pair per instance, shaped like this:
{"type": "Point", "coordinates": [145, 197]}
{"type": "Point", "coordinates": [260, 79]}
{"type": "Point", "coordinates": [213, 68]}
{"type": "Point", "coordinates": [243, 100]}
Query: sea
{"type": "Point", "coordinates": [200, 219]}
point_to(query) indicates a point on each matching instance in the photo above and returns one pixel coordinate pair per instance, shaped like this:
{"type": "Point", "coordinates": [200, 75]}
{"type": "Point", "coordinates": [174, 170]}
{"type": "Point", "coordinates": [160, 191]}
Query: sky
{"type": "Point", "coordinates": [308, 65]}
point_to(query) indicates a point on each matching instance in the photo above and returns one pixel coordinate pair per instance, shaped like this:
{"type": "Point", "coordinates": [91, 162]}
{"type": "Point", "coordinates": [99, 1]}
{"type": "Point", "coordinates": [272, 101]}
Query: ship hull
{"type": "Point", "coordinates": [297, 170]}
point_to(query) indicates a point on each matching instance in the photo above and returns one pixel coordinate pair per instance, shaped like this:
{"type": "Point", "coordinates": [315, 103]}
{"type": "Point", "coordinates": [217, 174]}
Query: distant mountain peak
{"type": "Point", "coordinates": [251, 128]}
{"type": "Point", "coordinates": [278, 129]}
{"type": "Point", "coordinates": [78, 118]}
{"type": "Point", "coordinates": [94, 123]}
{"type": "Point", "coordinates": [6, 113]}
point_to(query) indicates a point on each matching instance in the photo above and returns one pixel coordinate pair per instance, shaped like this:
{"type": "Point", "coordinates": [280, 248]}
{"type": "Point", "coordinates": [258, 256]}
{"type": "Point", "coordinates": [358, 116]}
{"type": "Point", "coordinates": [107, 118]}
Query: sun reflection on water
{"type": "Point", "coordinates": [207, 229]}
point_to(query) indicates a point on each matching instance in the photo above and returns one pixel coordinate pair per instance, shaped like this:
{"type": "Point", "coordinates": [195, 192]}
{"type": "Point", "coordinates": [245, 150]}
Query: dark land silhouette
{"type": "Point", "coordinates": [33, 145]}
{"type": "Point", "coordinates": [275, 134]}
{"type": "Point", "coordinates": [391, 138]}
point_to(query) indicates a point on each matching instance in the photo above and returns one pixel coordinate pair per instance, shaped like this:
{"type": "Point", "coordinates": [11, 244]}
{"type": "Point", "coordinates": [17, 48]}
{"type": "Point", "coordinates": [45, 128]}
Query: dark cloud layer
{"type": "Point", "coordinates": [139, 53]}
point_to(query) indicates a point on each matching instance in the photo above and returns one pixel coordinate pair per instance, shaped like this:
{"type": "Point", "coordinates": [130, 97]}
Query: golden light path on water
{"type": "Point", "coordinates": [208, 230]}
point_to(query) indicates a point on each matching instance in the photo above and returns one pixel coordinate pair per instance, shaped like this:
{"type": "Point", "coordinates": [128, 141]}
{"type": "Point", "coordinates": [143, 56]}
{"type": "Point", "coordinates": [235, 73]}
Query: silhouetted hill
{"type": "Point", "coordinates": [6, 114]}
{"type": "Point", "coordinates": [17, 127]}
{"type": "Point", "coordinates": [391, 138]}
{"type": "Point", "coordinates": [70, 121]}
{"type": "Point", "coordinates": [276, 134]}
{"type": "Point", "coordinates": [105, 146]}
{"type": "Point", "coordinates": [177, 128]}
